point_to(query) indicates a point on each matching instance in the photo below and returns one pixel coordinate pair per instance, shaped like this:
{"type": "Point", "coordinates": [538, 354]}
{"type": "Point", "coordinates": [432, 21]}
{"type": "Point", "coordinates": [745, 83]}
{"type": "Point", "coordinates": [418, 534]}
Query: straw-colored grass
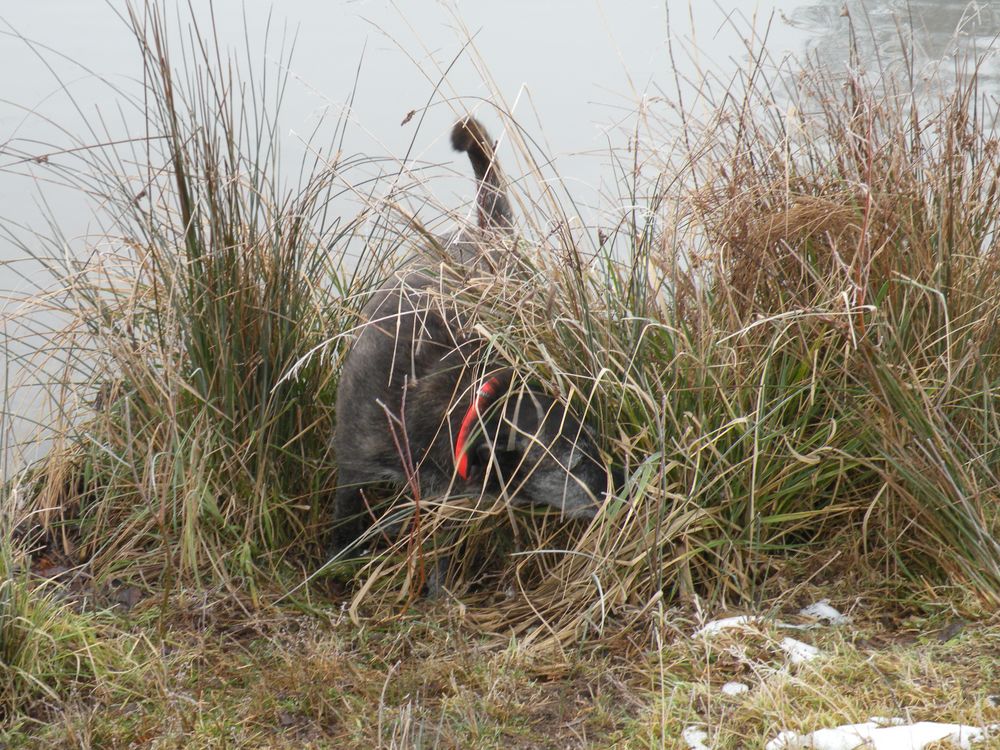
{"type": "Point", "coordinates": [200, 456]}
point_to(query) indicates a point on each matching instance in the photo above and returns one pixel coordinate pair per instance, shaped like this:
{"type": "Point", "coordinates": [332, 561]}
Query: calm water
{"type": "Point", "coordinates": [572, 71]}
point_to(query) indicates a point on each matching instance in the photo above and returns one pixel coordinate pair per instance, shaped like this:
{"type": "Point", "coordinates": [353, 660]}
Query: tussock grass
{"type": "Point", "coordinates": [792, 347]}
{"type": "Point", "coordinates": [199, 456]}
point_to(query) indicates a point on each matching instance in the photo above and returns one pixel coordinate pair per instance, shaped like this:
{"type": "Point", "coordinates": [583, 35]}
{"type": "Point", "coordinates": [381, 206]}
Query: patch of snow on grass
{"type": "Point", "coordinates": [726, 623]}
{"type": "Point", "coordinates": [735, 688]}
{"type": "Point", "coordinates": [872, 736]}
{"type": "Point", "coordinates": [695, 738]}
{"type": "Point", "coordinates": [822, 610]}
{"type": "Point", "coordinates": [798, 652]}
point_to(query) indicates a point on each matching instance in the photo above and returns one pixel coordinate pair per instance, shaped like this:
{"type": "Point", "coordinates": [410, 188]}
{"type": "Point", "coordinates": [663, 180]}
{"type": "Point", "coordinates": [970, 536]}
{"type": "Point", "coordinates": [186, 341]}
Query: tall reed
{"type": "Point", "coordinates": [199, 454]}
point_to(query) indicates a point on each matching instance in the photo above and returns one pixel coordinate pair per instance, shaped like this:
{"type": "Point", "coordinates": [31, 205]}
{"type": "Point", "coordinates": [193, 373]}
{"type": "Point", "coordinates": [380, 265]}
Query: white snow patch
{"type": "Point", "coordinates": [825, 612]}
{"type": "Point", "coordinates": [726, 623]}
{"type": "Point", "coordinates": [735, 688]}
{"type": "Point", "coordinates": [822, 610]}
{"type": "Point", "coordinates": [695, 738]}
{"type": "Point", "coordinates": [872, 736]}
{"type": "Point", "coordinates": [798, 652]}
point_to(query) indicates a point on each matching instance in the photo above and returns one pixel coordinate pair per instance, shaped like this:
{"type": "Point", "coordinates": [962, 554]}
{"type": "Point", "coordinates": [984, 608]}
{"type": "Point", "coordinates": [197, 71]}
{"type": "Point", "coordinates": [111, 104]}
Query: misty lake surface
{"type": "Point", "coordinates": [573, 72]}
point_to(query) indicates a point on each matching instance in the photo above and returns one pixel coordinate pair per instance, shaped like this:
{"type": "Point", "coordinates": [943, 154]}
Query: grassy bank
{"type": "Point", "coordinates": [787, 335]}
